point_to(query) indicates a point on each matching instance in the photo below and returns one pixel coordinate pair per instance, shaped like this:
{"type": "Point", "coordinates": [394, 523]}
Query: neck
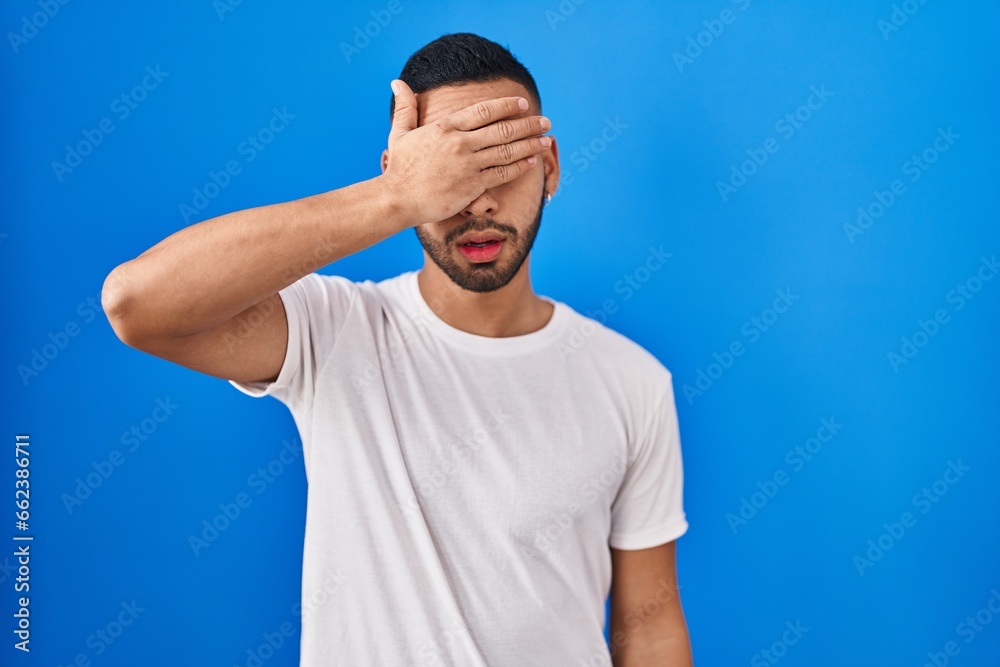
{"type": "Point", "coordinates": [512, 310]}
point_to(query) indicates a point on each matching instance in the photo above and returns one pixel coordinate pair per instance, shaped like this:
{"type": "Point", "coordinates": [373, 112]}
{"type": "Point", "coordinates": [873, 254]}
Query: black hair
{"type": "Point", "coordinates": [461, 57]}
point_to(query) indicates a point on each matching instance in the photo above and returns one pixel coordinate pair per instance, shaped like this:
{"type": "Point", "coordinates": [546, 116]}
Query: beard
{"type": "Point", "coordinates": [482, 276]}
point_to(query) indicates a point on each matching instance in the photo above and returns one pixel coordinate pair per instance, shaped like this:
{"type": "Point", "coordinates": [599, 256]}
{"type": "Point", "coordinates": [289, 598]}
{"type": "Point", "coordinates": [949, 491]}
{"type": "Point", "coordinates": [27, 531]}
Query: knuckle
{"type": "Point", "coordinates": [482, 111]}
{"type": "Point", "coordinates": [506, 152]}
{"type": "Point", "coordinates": [504, 132]}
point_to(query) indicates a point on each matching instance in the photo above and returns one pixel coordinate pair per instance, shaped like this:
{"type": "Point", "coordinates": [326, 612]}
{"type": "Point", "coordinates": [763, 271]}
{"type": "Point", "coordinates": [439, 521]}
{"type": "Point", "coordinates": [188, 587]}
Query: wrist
{"type": "Point", "coordinates": [391, 203]}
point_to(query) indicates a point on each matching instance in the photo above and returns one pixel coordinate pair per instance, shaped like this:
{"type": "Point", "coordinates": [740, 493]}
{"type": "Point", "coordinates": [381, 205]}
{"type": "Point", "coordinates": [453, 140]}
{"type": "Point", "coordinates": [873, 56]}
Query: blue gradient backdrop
{"type": "Point", "coordinates": [672, 120]}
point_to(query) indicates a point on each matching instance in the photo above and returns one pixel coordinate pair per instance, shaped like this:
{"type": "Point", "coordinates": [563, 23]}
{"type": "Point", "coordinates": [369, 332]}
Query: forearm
{"type": "Point", "coordinates": [672, 650]}
{"type": "Point", "coordinates": [204, 274]}
{"type": "Point", "coordinates": [651, 630]}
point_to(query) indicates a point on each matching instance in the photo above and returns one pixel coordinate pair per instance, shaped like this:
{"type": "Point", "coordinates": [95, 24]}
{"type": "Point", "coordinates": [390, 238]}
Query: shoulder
{"type": "Point", "coordinates": [616, 356]}
{"type": "Point", "coordinates": [319, 288]}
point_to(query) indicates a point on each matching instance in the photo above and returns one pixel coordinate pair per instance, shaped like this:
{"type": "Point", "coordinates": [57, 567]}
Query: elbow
{"type": "Point", "coordinates": [117, 301]}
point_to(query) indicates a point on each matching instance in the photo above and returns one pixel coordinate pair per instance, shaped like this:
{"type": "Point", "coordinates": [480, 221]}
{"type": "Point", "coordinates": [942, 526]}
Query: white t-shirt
{"type": "Point", "coordinates": [463, 490]}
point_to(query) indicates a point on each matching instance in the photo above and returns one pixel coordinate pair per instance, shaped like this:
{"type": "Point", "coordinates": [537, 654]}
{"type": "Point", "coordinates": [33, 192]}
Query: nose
{"type": "Point", "coordinates": [485, 205]}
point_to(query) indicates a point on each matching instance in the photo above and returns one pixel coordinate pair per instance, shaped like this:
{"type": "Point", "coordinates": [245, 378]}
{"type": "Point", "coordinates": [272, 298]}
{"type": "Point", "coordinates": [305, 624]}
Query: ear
{"type": "Point", "coordinates": [550, 162]}
{"type": "Point", "coordinates": [385, 159]}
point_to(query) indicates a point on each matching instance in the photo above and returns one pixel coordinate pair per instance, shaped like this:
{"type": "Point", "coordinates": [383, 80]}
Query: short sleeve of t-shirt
{"type": "Point", "coordinates": [648, 509]}
{"type": "Point", "coordinates": [316, 308]}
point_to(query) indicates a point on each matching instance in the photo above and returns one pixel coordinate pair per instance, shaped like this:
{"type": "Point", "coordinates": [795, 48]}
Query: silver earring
{"type": "Point", "coordinates": [548, 198]}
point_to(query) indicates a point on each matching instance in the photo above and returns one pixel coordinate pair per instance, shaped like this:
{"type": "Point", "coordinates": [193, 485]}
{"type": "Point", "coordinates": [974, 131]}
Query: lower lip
{"type": "Point", "coordinates": [486, 253]}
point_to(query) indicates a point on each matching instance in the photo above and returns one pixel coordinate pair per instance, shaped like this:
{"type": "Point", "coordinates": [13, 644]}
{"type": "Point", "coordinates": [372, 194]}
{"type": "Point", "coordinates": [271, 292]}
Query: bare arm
{"type": "Point", "coordinates": [647, 621]}
{"type": "Point", "coordinates": [190, 298]}
{"type": "Point", "coordinates": [206, 296]}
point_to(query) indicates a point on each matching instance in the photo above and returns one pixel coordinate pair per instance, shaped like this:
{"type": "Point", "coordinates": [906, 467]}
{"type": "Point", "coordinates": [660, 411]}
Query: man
{"type": "Point", "coordinates": [484, 463]}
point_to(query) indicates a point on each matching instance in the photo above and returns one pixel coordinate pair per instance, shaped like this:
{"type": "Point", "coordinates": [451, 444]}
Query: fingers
{"type": "Point", "coordinates": [503, 154]}
{"type": "Point", "coordinates": [507, 131]}
{"type": "Point", "coordinates": [503, 173]}
{"type": "Point", "coordinates": [404, 115]}
{"type": "Point", "coordinates": [484, 113]}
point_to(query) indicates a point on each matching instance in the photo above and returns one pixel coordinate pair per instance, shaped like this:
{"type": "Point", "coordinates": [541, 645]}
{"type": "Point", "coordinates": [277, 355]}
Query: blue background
{"type": "Point", "coordinates": [682, 126]}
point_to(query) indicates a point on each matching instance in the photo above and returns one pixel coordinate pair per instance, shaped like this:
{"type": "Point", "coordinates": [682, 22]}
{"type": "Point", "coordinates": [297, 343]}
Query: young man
{"type": "Point", "coordinates": [484, 463]}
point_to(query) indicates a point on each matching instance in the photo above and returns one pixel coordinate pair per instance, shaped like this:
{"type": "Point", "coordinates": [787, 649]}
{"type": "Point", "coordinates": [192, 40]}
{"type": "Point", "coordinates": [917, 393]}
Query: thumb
{"type": "Point", "coordinates": [404, 116]}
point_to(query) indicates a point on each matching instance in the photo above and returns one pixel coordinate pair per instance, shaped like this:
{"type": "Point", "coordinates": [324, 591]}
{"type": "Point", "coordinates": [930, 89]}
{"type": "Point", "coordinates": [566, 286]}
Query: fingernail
{"type": "Point", "coordinates": [522, 103]}
{"type": "Point", "coordinates": [532, 160]}
{"type": "Point", "coordinates": [546, 123]}
{"type": "Point", "coordinates": [394, 86]}
{"type": "Point", "coordinates": [546, 141]}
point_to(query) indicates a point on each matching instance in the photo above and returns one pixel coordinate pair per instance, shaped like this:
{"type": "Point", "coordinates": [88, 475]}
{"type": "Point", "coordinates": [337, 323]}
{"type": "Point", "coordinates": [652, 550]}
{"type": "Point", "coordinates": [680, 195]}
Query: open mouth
{"type": "Point", "coordinates": [485, 250]}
